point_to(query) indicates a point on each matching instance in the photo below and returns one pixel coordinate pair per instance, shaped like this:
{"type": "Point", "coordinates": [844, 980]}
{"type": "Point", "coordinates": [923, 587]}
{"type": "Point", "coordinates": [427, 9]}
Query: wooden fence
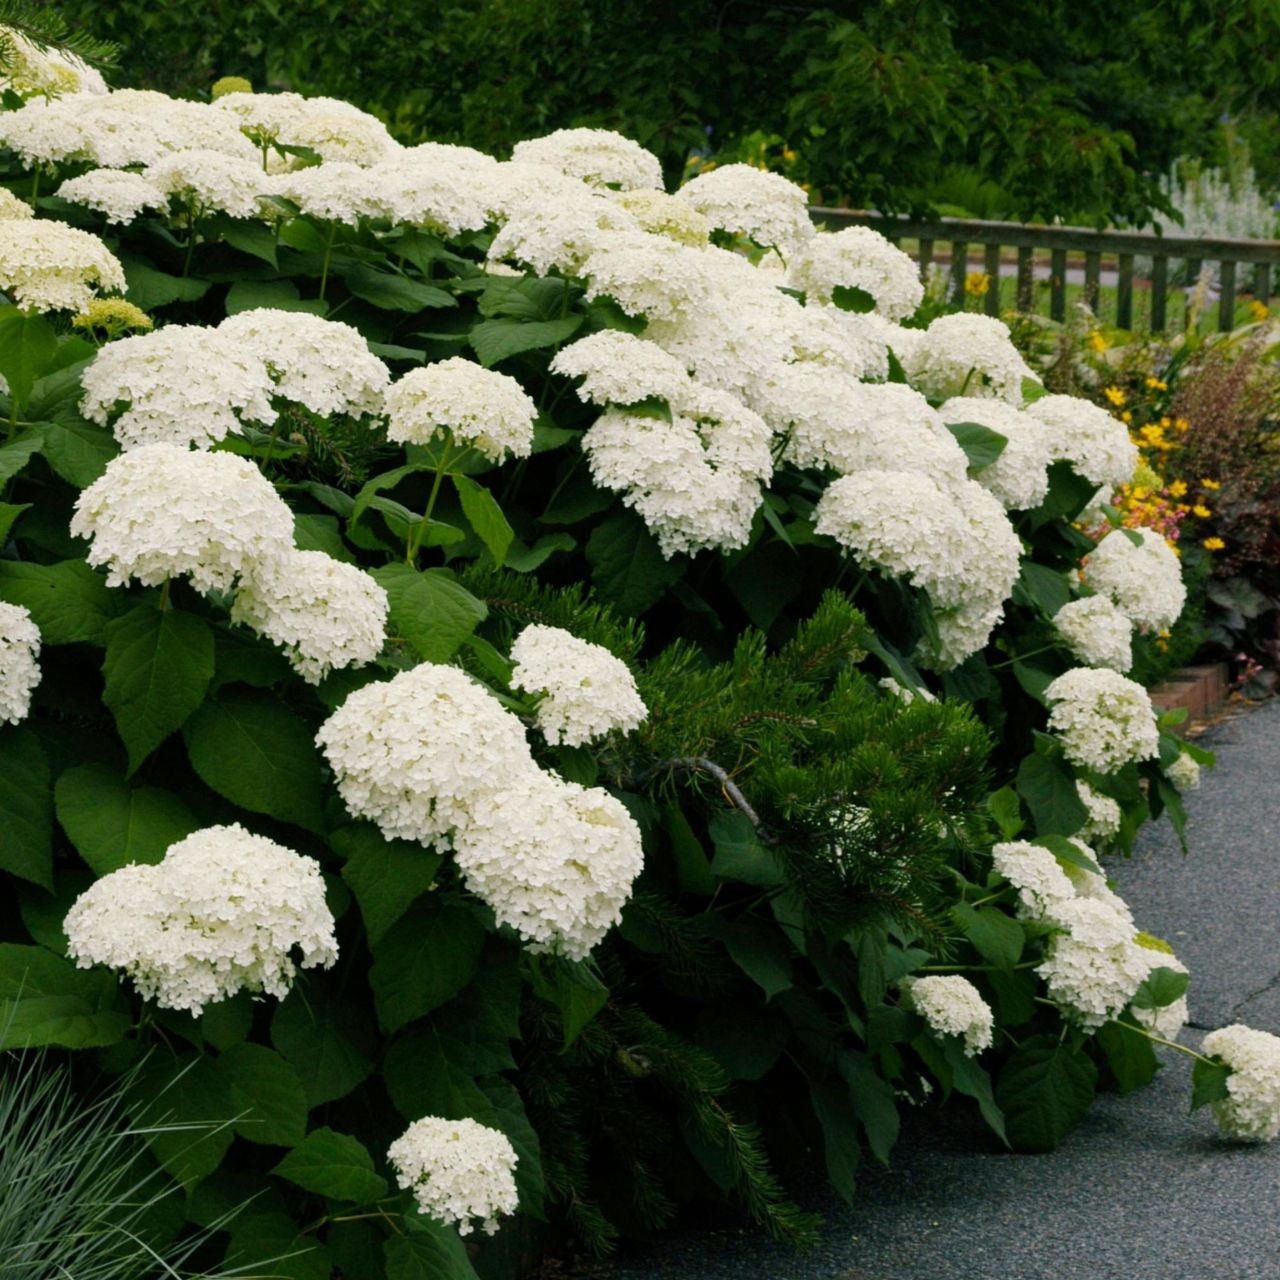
{"type": "Point", "coordinates": [1231, 257]}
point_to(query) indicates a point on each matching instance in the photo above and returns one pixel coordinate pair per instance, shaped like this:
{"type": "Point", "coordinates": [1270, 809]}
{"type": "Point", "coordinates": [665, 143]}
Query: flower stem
{"type": "Point", "coordinates": [328, 250]}
{"type": "Point", "coordinates": [415, 538]}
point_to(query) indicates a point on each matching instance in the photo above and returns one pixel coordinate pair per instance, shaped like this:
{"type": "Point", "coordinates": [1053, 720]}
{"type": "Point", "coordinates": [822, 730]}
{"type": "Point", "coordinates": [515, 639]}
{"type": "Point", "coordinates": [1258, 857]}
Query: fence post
{"type": "Point", "coordinates": [1227, 298]}
{"type": "Point", "coordinates": [1026, 278]}
{"type": "Point", "coordinates": [1058, 284]}
{"type": "Point", "coordinates": [959, 269]}
{"type": "Point", "coordinates": [992, 268]}
{"type": "Point", "coordinates": [1159, 290]}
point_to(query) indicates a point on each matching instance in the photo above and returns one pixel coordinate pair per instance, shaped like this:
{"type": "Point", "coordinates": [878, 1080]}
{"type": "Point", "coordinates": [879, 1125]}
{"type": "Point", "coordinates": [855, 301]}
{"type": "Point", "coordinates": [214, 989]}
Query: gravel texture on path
{"type": "Point", "coordinates": [1141, 1190]}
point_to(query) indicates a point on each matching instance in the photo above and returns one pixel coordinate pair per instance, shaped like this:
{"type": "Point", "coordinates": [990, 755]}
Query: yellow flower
{"type": "Point", "coordinates": [1115, 395]}
{"type": "Point", "coordinates": [1154, 384]}
{"type": "Point", "coordinates": [1178, 489]}
{"type": "Point", "coordinates": [788, 156]}
{"type": "Point", "coordinates": [1213, 544]}
{"type": "Point", "coordinates": [976, 284]}
{"type": "Point", "coordinates": [1259, 309]}
{"type": "Point", "coordinates": [1211, 485]}
{"type": "Point", "coordinates": [1097, 342]}
{"type": "Point", "coordinates": [229, 84]}
{"type": "Point", "coordinates": [1200, 511]}
{"type": "Point", "coordinates": [1127, 416]}
{"type": "Point", "coordinates": [1182, 424]}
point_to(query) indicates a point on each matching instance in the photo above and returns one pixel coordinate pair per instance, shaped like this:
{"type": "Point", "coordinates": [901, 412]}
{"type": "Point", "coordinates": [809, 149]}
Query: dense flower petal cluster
{"type": "Point", "coordinates": [323, 613]}
{"type": "Point", "coordinates": [620, 368]}
{"type": "Point", "coordinates": [1038, 876]}
{"type": "Point", "coordinates": [1096, 444]}
{"type": "Point", "coordinates": [335, 192]}
{"type": "Point", "coordinates": [333, 129]}
{"type": "Point", "coordinates": [442, 195]}
{"type": "Point", "coordinates": [1096, 632]}
{"type": "Point", "coordinates": [180, 385]}
{"type": "Point", "coordinates": [859, 258]}
{"type": "Point", "coordinates": [596, 156]}
{"type": "Point", "coordinates": [967, 355]}
{"type": "Point", "coordinates": [29, 70]}
{"type": "Point", "coordinates": [210, 181]}
{"type": "Point", "coordinates": [221, 913]}
{"type": "Point", "coordinates": [488, 411]}
{"type": "Point", "coordinates": [324, 365]}
{"type": "Point", "coordinates": [1019, 477]}
{"type": "Point", "coordinates": [586, 691]}
{"type": "Point", "coordinates": [161, 511]}
{"type": "Point", "coordinates": [751, 202]}
{"type": "Point", "coordinates": [1251, 1109]}
{"type": "Point", "coordinates": [12, 206]}
{"type": "Point", "coordinates": [19, 670]}
{"type": "Point", "coordinates": [1169, 1019]}
{"type": "Point", "coordinates": [1184, 773]}
{"type": "Point", "coordinates": [664, 215]}
{"type": "Point", "coordinates": [952, 1006]}
{"type": "Point", "coordinates": [563, 233]}
{"type": "Point", "coordinates": [118, 193]}
{"type": "Point", "coordinates": [49, 266]}
{"type": "Point", "coordinates": [1139, 572]}
{"type": "Point", "coordinates": [460, 1171]}
{"type": "Point", "coordinates": [1104, 813]}
{"type": "Point", "coordinates": [1105, 720]}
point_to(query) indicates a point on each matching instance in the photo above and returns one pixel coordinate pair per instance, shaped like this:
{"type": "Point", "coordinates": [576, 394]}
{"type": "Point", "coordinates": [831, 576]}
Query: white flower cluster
{"type": "Point", "coordinates": [49, 266]}
{"type": "Point", "coordinates": [1096, 632]}
{"type": "Point", "coordinates": [1184, 773]}
{"type": "Point", "coordinates": [1104, 719]}
{"type": "Point", "coordinates": [439, 192]}
{"type": "Point", "coordinates": [1019, 477]}
{"type": "Point", "coordinates": [205, 180]}
{"type": "Point", "coordinates": [1104, 813]}
{"type": "Point", "coordinates": [120, 194]}
{"type": "Point", "coordinates": [487, 410]}
{"type": "Point", "coordinates": [29, 71]}
{"type": "Point", "coordinates": [586, 691]}
{"type": "Point", "coordinates": [334, 192]}
{"type": "Point", "coordinates": [221, 913]}
{"type": "Point", "coordinates": [19, 670]}
{"type": "Point", "coordinates": [952, 1006]}
{"type": "Point", "coordinates": [596, 156]}
{"type": "Point", "coordinates": [458, 1171]}
{"type": "Point", "coordinates": [335, 130]}
{"type": "Point", "coordinates": [1139, 572]}
{"type": "Point", "coordinates": [664, 215]}
{"type": "Point", "coordinates": [12, 206]}
{"type": "Point", "coordinates": [859, 258]}
{"type": "Point", "coordinates": [1251, 1109]}
{"type": "Point", "coordinates": [751, 202]}
{"type": "Point", "coordinates": [1169, 1019]}
{"type": "Point", "coordinates": [967, 355]}
{"type": "Point", "coordinates": [619, 368]}
{"type": "Point", "coordinates": [1096, 444]}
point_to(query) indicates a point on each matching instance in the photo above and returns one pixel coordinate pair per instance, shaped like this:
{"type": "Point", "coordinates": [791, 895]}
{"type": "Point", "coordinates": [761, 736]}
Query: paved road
{"type": "Point", "coordinates": [1142, 1190]}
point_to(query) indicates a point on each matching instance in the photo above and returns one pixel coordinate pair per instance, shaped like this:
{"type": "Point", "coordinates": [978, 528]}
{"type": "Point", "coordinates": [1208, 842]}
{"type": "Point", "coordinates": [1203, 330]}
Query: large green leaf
{"type": "Point", "coordinates": [429, 609]}
{"type": "Point", "coordinates": [1209, 1082]}
{"type": "Point", "coordinates": [334, 1165]}
{"type": "Point", "coordinates": [1160, 988]}
{"type": "Point", "coordinates": [423, 960]}
{"type": "Point", "coordinates": [267, 1097]}
{"type": "Point", "coordinates": [839, 1137]}
{"type": "Point", "coordinates": [27, 345]}
{"type": "Point", "coordinates": [322, 1041]}
{"type": "Point", "coordinates": [268, 1246]}
{"type": "Point", "coordinates": [1049, 789]}
{"type": "Point", "coordinates": [258, 753]}
{"type": "Point", "coordinates": [112, 824]}
{"type": "Point", "coordinates": [981, 445]}
{"type": "Point", "coordinates": [15, 454]}
{"type": "Point", "coordinates": [46, 1000]}
{"type": "Point", "coordinates": [996, 937]}
{"type": "Point", "coordinates": [68, 601]}
{"type": "Point", "coordinates": [627, 567]}
{"type": "Point", "coordinates": [392, 292]}
{"type": "Point", "coordinates": [762, 953]}
{"type": "Point", "coordinates": [385, 875]}
{"type": "Point", "coordinates": [1129, 1055]}
{"type": "Point", "coordinates": [149, 288]}
{"type": "Point", "coordinates": [26, 807]}
{"type": "Point", "coordinates": [77, 450]}
{"type": "Point", "coordinates": [740, 853]}
{"type": "Point", "coordinates": [969, 1077]}
{"type": "Point", "coordinates": [157, 669]}
{"type": "Point", "coordinates": [185, 1107]}
{"type": "Point", "coordinates": [485, 515]}
{"type": "Point", "coordinates": [431, 1252]}
{"type": "Point", "coordinates": [496, 340]}
{"type": "Point", "coordinates": [1044, 1090]}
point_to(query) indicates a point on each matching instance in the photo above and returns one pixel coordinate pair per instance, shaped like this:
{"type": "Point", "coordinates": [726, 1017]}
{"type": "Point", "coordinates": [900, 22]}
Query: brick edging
{"type": "Point", "coordinates": [1201, 689]}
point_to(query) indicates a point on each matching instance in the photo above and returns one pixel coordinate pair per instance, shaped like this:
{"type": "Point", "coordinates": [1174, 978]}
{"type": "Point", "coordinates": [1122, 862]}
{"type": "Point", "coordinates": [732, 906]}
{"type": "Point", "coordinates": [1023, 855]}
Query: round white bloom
{"type": "Point", "coordinates": [333, 192]}
{"type": "Point", "coordinates": [1184, 773]}
{"type": "Point", "coordinates": [967, 355]}
{"type": "Point", "coordinates": [597, 156]}
{"type": "Point", "coordinates": [49, 266]}
{"type": "Point", "coordinates": [554, 860]}
{"type": "Point", "coordinates": [182, 385]}
{"type": "Point", "coordinates": [1043, 886]}
{"type": "Point", "coordinates": [419, 753]}
{"type": "Point", "coordinates": [323, 613]}
{"type": "Point", "coordinates": [1105, 720]}
{"type": "Point", "coordinates": [1096, 444]}
{"type": "Point", "coordinates": [695, 480]}
{"type": "Point", "coordinates": [458, 1170]}
{"type": "Point", "coordinates": [621, 368]}
{"type": "Point", "coordinates": [422, 192]}
{"type": "Point", "coordinates": [1139, 572]}
{"type": "Point", "coordinates": [159, 511]}
{"type": "Point", "coordinates": [859, 258]}
{"type": "Point", "coordinates": [952, 1006]}
{"type": "Point", "coordinates": [854, 344]}
{"type": "Point", "coordinates": [512, 187]}
{"type": "Point", "coordinates": [221, 913]}
{"type": "Point", "coordinates": [1104, 813]}
{"type": "Point", "coordinates": [29, 70]}
{"type": "Point", "coordinates": [19, 670]}
{"type": "Point", "coordinates": [211, 180]}
{"type": "Point", "coordinates": [1168, 1020]}
{"type": "Point", "coordinates": [564, 233]}
{"type": "Point", "coordinates": [1096, 632]}
{"type": "Point", "coordinates": [335, 130]}
{"type": "Point", "coordinates": [119, 194]}
{"type": "Point", "coordinates": [324, 365]}
{"type": "Point", "coordinates": [587, 692]}
{"type": "Point", "coordinates": [1019, 477]}
{"type": "Point", "coordinates": [482, 408]}
{"type": "Point", "coordinates": [650, 276]}
{"type": "Point", "coordinates": [12, 206]}
{"type": "Point", "coordinates": [1251, 1109]}
{"type": "Point", "coordinates": [744, 200]}
{"type": "Point", "coordinates": [664, 215]}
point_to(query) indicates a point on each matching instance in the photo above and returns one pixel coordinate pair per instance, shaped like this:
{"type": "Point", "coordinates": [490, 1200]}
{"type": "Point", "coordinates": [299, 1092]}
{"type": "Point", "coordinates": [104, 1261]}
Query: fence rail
{"type": "Point", "coordinates": [1230, 257]}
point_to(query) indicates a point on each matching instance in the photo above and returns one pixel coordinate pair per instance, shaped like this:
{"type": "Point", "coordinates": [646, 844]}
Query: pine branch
{"type": "Point", "coordinates": [46, 29]}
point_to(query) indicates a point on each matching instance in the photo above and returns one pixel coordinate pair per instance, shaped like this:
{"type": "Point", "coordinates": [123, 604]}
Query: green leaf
{"type": "Point", "coordinates": [280, 295]}
{"type": "Point", "coordinates": [627, 568]}
{"type": "Point", "coordinates": [981, 445]}
{"type": "Point", "coordinates": [320, 533]}
{"type": "Point", "coordinates": [496, 340]}
{"type": "Point", "coordinates": [78, 451]}
{"type": "Point", "coordinates": [849, 297]}
{"type": "Point", "coordinates": [1033, 679]}
{"type": "Point", "coordinates": [740, 854]}
{"type": "Point", "coordinates": [68, 601]}
{"type": "Point", "coordinates": [1006, 809]}
{"type": "Point", "coordinates": [840, 1145]}
{"type": "Point", "coordinates": [391, 292]}
{"type": "Point", "coordinates": [251, 748]}
{"type": "Point", "coordinates": [1129, 1055]}
{"type": "Point", "coordinates": [1160, 988]}
{"type": "Point", "coordinates": [1068, 495]}
{"type": "Point", "coordinates": [432, 1252]}
{"type": "Point", "coordinates": [762, 954]}
{"type": "Point", "coordinates": [424, 960]}
{"type": "Point", "coordinates": [1049, 789]}
{"type": "Point", "coordinates": [996, 937]}
{"type": "Point", "coordinates": [525, 559]}
{"type": "Point", "coordinates": [1044, 1090]}
{"type": "Point", "coordinates": [971, 1079]}
{"type": "Point", "coordinates": [426, 1075]}
{"type": "Point", "coordinates": [334, 1165]}
{"type": "Point", "coordinates": [693, 868]}
{"type": "Point", "coordinates": [1209, 1083]}
{"type": "Point", "coordinates": [112, 824]}
{"type": "Point", "coordinates": [27, 346]}
{"type": "Point", "coordinates": [149, 288]}
{"type": "Point", "coordinates": [1044, 588]}
{"type": "Point", "coordinates": [385, 875]}
{"type": "Point", "coordinates": [268, 1246]}
{"type": "Point", "coordinates": [227, 1022]}
{"type": "Point", "coordinates": [485, 515]}
{"type": "Point", "coordinates": [185, 1110]}
{"type": "Point", "coordinates": [254, 238]}
{"type": "Point", "coordinates": [510, 1116]}
{"type": "Point", "coordinates": [17, 453]}
{"type": "Point", "coordinates": [873, 1102]}
{"type": "Point", "coordinates": [320, 1041]}
{"type": "Point", "coordinates": [429, 609]}
{"type": "Point", "coordinates": [46, 1000]}
{"type": "Point", "coordinates": [267, 1097]}
{"type": "Point", "coordinates": [157, 669]}
{"type": "Point", "coordinates": [574, 990]}
{"type": "Point", "coordinates": [26, 808]}
{"type": "Point", "coordinates": [1069, 852]}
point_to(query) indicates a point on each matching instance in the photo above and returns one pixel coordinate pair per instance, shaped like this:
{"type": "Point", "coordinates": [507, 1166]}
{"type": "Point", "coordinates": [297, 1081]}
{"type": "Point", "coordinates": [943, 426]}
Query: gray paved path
{"type": "Point", "coordinates": [1142, 1190]}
